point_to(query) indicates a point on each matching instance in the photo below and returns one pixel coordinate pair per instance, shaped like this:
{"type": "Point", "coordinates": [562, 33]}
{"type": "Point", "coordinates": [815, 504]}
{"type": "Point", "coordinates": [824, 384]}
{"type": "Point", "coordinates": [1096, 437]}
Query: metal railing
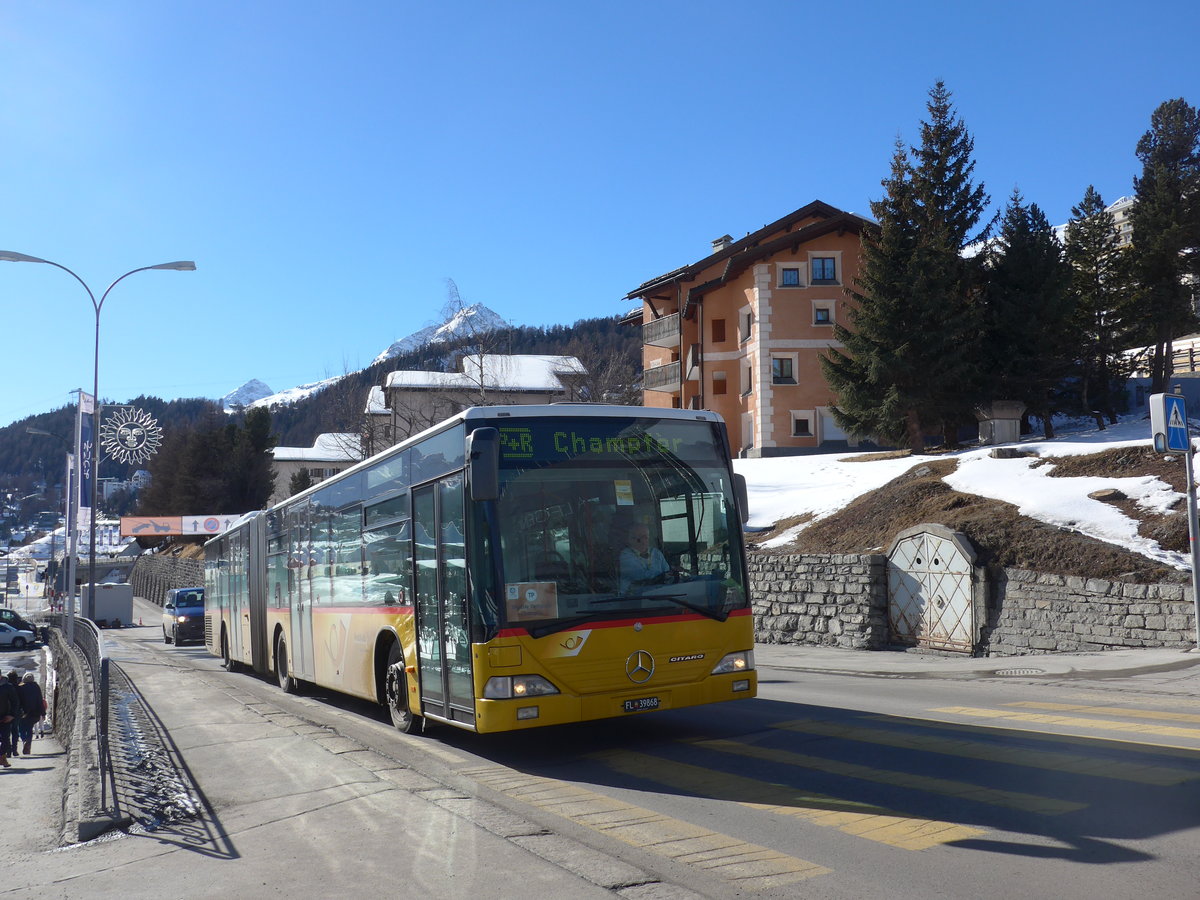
{"type": "Point", "coordinates": [89, 643]}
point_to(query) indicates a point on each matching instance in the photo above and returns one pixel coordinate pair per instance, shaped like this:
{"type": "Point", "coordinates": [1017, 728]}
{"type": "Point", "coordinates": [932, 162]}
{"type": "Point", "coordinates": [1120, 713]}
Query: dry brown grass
{"type": "Point", "coordinates": [1001, 536]}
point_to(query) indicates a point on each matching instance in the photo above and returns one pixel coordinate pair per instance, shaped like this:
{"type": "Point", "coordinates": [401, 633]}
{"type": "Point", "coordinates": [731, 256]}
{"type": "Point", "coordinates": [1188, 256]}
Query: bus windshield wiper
{"type": "Point", "coordinates": [541, 631]}
{"type": "Point", "coordinates": [719, 614]}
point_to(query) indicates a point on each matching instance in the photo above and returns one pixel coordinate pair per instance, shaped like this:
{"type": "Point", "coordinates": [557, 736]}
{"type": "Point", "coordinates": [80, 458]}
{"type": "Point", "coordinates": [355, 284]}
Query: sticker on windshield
{"type": "Point", "coordinates": [531, 600]}
{"type": "Point", "coordinates": [624, 489]}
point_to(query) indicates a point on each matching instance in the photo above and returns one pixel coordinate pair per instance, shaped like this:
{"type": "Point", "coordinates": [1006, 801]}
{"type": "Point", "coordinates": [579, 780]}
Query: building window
{"type": "Point", "coordinates": [822, 315]}
{"type": "Point", "coordinates": [719, 384]}
{"type": "Point", "coordinates": [789, 278]}
{"type": "Point", "coordinates": [718, 331]}
{"type": "Point", "coordinates": [802, 424]}
{"type": "Point", "coordinates": [782, 371]}
{"type": "Point", "coordinates": [747, 380]}
{"type": "Point", "coordinates": [745, 324]}
{"type": "Point", "coordinates": [824, 270]}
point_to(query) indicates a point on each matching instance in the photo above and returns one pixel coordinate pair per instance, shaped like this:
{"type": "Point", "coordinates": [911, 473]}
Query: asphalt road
{"type": "Point", "coordinates": [827, 785]}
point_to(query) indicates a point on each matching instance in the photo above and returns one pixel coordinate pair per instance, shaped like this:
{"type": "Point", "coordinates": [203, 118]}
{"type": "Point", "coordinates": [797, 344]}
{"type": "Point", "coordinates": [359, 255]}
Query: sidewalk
{"type": "Point", "coordinates": [1175, 671]}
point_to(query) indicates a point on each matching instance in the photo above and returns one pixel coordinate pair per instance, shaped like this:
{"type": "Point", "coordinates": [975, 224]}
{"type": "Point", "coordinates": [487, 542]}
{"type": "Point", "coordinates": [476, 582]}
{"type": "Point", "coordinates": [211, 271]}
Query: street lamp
{"type": "Point", "coordinates": [93, 456]}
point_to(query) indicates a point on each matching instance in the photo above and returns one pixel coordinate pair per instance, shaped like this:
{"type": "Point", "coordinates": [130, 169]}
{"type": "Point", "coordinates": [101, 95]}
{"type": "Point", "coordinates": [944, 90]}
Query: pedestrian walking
{"type": "Point", "coordinates": [33, 707]}
{"type": "Point", "coordinates": [14, 726]}
{"type": "Point", "coordinates": [10, 709]}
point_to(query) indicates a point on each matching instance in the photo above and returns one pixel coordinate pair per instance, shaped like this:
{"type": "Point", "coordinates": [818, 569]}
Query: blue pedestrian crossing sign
{"type": "Point", "coordinates": [1177, 428]}
{"type": "Point", "coordinates": [1168, 423]}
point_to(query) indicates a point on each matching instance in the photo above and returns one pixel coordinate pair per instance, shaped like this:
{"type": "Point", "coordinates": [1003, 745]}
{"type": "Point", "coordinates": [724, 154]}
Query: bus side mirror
{"type": "Point", "coordinates": [483, 465]}
{"type": "Point", "coordinates": [743, 496]}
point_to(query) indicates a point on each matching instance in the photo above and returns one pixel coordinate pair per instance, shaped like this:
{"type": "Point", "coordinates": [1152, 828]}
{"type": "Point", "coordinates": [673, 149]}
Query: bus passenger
{"type": "Point", "coordinates": [640, 563]}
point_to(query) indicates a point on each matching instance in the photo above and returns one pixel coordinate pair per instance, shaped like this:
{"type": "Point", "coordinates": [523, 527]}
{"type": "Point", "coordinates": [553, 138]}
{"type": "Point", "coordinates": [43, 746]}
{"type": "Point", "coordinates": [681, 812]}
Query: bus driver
{"type": "Point", "coordinates": [640, 563]}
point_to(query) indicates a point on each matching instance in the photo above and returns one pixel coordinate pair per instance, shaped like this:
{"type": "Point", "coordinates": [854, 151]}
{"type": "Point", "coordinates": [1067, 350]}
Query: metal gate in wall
{"type": "Point", "coordinates": [935, 591]}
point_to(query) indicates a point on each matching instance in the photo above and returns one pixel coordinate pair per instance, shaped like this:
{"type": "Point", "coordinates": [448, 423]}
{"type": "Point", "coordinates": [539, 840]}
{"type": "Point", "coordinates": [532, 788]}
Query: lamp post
{"type": "Point", "coordinates": [93, 455]}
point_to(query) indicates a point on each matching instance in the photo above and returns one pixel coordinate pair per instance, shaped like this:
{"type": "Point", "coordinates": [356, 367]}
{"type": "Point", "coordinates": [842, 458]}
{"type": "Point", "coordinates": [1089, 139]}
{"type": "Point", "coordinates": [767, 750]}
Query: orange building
{"type": "Point", "coordinates": [741, 332]}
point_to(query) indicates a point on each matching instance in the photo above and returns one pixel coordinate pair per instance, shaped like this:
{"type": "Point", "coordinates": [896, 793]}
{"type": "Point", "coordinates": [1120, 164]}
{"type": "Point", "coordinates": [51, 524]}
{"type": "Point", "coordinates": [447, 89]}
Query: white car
{"type": "Point", "coordinates": [16, 638]}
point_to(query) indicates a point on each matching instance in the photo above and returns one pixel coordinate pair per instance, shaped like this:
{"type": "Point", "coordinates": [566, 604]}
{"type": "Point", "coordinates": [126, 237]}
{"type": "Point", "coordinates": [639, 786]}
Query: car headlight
{"type": "Point", "coordinates": [742, 661]}
{"type": "Point", "coordinates": [507, 687]}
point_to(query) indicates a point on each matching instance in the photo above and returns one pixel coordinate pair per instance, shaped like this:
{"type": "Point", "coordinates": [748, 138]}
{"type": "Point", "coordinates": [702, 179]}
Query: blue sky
{"type": "Point", "coordinates": [330, 166]}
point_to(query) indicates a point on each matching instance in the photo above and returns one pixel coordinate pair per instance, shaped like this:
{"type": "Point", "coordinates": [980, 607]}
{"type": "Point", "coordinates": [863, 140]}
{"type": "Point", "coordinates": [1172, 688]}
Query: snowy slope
{"type": "Point", "coordinates": [822, 484]}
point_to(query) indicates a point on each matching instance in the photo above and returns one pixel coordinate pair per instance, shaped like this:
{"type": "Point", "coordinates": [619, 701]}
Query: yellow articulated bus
{"type": "Point", "coordinates": [511, 567]}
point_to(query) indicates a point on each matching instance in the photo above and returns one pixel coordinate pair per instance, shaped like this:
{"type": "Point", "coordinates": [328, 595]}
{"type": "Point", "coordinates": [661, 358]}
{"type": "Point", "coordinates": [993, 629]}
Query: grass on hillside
{"type": "Point", "coordinates": [1002, 537]}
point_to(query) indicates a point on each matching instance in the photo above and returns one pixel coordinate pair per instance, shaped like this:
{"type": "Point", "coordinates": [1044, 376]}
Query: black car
{"type": "Point", "coordinates": [10, 617]}
{"type": "Point", "coordinates": [183, 615]}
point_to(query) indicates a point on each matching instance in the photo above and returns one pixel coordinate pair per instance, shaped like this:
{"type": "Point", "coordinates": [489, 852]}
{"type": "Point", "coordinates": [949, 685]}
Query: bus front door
{"type": "Point", "coordinates": [443, 636]}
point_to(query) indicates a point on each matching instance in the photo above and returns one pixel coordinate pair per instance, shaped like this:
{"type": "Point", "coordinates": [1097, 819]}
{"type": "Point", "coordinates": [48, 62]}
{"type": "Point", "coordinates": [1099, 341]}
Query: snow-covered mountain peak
{"type": "Point", "coordinates": [245, 395]}
{"type": "Point", "coordinates": [471, 320]}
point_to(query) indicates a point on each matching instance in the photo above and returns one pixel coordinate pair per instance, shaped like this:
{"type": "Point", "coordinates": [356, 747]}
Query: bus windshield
{"type": "Point", "coordinates": [603, 518]}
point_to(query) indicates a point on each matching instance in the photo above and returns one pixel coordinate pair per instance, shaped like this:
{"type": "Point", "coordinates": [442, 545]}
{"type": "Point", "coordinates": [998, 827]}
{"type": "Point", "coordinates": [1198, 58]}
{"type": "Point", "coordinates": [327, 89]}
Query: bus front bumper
{"type": "Point", "coordinates": [560, 709]}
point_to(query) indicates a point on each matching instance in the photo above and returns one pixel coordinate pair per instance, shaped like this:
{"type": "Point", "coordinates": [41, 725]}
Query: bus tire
{"type": "Point", "coordinates": [286, 681]}
{"type": "Point", "coordinates": [166, 640]}
{"type": "Point", "coordinates": [396, 692]}
{"type": "Point", "coordinates": [226, 659]}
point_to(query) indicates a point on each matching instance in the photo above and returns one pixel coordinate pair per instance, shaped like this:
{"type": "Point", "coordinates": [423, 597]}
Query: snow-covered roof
{"type": "Point", "coordinates": [499, 372]}
{"type": "Point", "coordinates": [375, 402]}
{"type": "Point", "coordinates": [326, 448]}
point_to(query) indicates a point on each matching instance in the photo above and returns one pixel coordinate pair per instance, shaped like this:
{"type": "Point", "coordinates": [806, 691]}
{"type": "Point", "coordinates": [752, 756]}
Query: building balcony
{"type": "Point", "coordinates": [662, 378]}
{"type": "Point", "coordinates": [662, 332]}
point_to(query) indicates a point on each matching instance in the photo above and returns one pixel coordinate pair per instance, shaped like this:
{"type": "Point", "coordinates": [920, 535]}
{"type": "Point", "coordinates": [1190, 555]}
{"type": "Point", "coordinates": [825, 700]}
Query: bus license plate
{"type": "Point", "coordinates": [641, 704]}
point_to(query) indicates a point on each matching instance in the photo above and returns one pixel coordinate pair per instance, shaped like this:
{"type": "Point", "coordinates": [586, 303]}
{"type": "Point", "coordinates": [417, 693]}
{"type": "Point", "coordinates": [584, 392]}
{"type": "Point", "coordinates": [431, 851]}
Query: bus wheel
{"type": "Point", "coordinates": [286, 681]}
{"type": "Point", "coordinates": [397, 692]}
{"type": "Point", "coordinates": [226, 659]}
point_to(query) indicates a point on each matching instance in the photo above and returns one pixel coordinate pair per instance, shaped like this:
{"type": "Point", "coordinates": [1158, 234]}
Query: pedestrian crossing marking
{"type": "Point", "coordinates": [1053, 760]}
{"type": "Point", "coordinates": [1046, 806]}
{"type": "Point", "coordinates": [1072, 722]}
{"type": "Point", "coordinates": [1162, 715]}
{"type": "Point", "coordinates": [747, 866]}
{"type": "Point", "coordinates": [861, 819]}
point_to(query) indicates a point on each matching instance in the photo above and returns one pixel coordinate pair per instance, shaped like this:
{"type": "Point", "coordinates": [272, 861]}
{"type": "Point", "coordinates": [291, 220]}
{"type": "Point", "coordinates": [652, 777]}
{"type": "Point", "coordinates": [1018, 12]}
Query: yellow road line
{"type": "Point", "coordinates": [1023, 756]}
{"type": "Point", "coordinates": [746, 866]}
{"type": "Point", "coordinates": [1161, 715]}
{"type": "Point", "coordinates": [1045, 806]}
{"type": "Point", "coordinates": [1072, 722]}
{"type": "Point", "coordinates": [861, 819]}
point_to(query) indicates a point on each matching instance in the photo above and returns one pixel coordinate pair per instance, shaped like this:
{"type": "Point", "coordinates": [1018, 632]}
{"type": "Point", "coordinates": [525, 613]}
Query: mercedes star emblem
{"type": "Point", "coordinates": [639, 667]}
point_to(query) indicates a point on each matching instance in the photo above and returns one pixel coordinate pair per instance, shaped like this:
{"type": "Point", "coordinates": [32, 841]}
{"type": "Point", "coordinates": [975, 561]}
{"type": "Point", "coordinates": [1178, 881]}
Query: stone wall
{"type": "Point", "coordinates": [835, 601]}
{"type": "Point", "coordinates": [841, 601]}
{"type": "Point", "coordinates": [153, 576]}
{"type": "Point", "coordinates": [1030, 612]}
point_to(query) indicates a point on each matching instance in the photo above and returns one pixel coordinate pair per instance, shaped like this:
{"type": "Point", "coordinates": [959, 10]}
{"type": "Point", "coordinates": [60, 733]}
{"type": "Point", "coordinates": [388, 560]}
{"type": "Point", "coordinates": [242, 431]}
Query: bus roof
{"type": "Point", "coordinates": [488, 413]}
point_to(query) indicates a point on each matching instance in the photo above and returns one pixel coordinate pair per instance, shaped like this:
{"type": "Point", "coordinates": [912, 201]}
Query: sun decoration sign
{"type": "Point", "coordinates": [130, 435]}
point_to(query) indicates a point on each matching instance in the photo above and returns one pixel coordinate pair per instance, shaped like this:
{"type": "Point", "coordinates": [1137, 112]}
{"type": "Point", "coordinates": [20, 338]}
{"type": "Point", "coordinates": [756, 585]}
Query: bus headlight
{"type": "Point", "coordinates": [742, 661]}
{"type": "Point", "coordinates": [506, 687]}
{"type": "Point", "coordinates": [181, 619]}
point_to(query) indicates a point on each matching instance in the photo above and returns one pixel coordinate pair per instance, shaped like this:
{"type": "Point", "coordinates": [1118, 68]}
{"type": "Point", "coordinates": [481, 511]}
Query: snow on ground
{"type": "Point", "coordinates": [822, 484]}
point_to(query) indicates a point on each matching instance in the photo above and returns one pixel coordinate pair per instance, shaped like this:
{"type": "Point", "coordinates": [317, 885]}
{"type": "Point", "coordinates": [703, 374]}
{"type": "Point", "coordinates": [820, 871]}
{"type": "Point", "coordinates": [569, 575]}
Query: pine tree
{"type": "Point", "coordinates": [911, 356]}
{"type": "Point", "coordinates": [1100, 289]}
{"type": "Point", "coordinates": [1029, 347]}
{"type": "Point", "coordinates": [249, 474]}
{"type": "Point", "coordinates": [1166, 229]}
{"type": "Point", "coordinates": [300, 481]}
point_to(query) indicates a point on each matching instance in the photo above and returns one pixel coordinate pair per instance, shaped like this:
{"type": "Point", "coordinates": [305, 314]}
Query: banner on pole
{"type": "Point", "coordinates": [83, 451]}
